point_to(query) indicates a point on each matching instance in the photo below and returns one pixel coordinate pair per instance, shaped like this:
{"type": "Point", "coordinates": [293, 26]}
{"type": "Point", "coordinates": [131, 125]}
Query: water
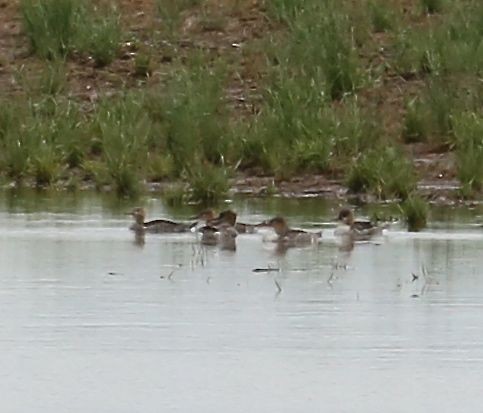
{"type": "Point", "coordinates": [93, 321]}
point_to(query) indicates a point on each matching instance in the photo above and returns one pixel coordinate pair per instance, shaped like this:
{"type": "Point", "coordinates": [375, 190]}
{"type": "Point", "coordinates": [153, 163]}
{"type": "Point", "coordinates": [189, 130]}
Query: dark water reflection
{"type": "Point", "coordinates": [93, 321]}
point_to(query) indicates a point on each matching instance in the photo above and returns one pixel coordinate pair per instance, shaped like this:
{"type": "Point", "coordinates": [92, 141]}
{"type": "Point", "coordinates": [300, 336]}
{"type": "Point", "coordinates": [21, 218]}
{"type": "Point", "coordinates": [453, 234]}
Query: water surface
{"type": "Point", "coordinates": [93, 321]}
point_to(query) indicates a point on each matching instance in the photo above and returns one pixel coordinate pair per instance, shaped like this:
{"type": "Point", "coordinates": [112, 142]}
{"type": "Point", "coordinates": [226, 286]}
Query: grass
{"type": "Point", "coordinates": [99, 35]}
{"type": "Point", "coordinates": [208, 184]}
{"type": "Point", "coordinates": [469, 152]}
{"type": "Point", "coordinates": [382, 18]}
{"type": "Point", "coordinates": [171, 13]}
{"type": "Point", "coordinates": [143, 64]}
{"type": "Point", "coordinates": [384, 172]}
{"type": "Point", "coordinates": [49, 25]}
{"type": "Point", "coordinates": [415, 213]}
{"type": "Point", "coordinates": [312, 87]}
{"type": "Point", "coordinates": [432, 6]}
{"type": "Point", "coordinates": [175, 195]}
{"type": "Point", "coordinates": [415, 122]}
{"type": "Point", "coordinates": [58, 28]}
{"type": "Point", "coordinates": [123, 128]}
{"type": "Point", "coordinates": [190, 115]}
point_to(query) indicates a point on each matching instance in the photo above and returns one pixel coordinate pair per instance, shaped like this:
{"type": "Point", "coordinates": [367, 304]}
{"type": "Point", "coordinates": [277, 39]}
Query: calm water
{"type": "Point", "coordinates": [92, 321]}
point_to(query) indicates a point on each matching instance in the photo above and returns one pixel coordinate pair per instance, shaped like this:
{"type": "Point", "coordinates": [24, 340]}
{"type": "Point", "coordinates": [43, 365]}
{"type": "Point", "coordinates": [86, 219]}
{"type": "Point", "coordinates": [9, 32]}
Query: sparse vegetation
{"type": "Point", "coordinates": [322, 87]}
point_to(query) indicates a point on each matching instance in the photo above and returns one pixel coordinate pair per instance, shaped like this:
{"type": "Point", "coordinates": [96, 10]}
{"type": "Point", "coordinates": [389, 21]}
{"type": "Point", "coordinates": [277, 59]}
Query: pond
{"type": "Point", "coordinates": [93, 321]}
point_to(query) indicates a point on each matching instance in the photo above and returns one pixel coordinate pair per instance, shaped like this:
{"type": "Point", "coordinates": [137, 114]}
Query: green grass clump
{"type": "Point", "coordinates": [289, 128]}
{"type": "Point", "coordinates": [170, 13]}
{"type": "Point", "coordinates": [190, 117]}
{"type": "Point", "coordinates": [39, 139]}
{"type": "Point", "coordinates": [285, 10]}
{"type": "Point", "coordinates": [49, 80]}
{"type": "Point", "coordinates": [49, 25]}
{"type": "Point", "coordinates": [452, 46]}
{"type": "Point", "coordinates": [432, 6]}
{"type": "Point", "coordinates": [380, 15]}
{"type": "Point", "coordinates": [16, 152]}
{"type": "Point", "coordinates": [319, 48]}
{"type": "Point", "coordinates": [469, 152]}
{"type": "Point", "coordinates": [208, 184]}
{"type": "Point", "coordinates": [415, 127]}
{"type": "Point", "coordinates": [441, 101]}
{"type": "Point", "coordinates": [415, 212]}
{"type": "Point", "coordinates": [143, 64]}
{"type": "Point", "coordinates": [99, 35]}
{"type": "Point", "coordinates": [123, 128]}
{"type": "Point", "coordinates": [354, 130]}
{"type": "Point", "coordinates": [96, 171]}
{"type": "Point", "coordinates": [175, 195]}
{"type": "Point", "coordinates": [160, 167]}
{"type": "Point", "coordinates": [384, 172]}
{"type": "Point", "coordinates": [46, 164]}
{"type": "Point", "coordinates": [56, 28]}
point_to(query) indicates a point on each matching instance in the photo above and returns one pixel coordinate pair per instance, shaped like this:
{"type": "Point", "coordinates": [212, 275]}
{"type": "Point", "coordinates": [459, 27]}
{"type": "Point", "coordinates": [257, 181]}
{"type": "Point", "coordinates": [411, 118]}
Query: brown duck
{"type": "Point", "coordinates": [157, 225]}
{"type": "Point", "coordinates": [359, 230]}
{"type": "Point", "coordinates": [290, 235]}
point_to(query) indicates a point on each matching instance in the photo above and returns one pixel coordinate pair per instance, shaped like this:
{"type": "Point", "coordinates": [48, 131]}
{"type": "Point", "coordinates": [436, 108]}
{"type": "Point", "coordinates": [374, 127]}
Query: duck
{"type": "Point", "coordinates": [157, 225]}
{"type": "Point", "coordinates": [289, 235]}
{"type": "Point", "coordinates": [358, 230]}
{"type": "Point", "coordinates": [228, 216]}
{"type": "Point", "coordinates": [223, 235]}
{"type": "Point", "coordinates": [207, 215]}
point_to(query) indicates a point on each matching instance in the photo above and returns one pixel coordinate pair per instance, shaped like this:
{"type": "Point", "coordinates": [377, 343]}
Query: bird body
{"type": "Point", "coordinates": [224, 236]}
{"type": "Point", "coordinates": [227, 217]}
{"type": "Point", "coordinates": [157, 225]}
{"type": "Point", "coordinates": [359, 230]}
{"type": "Point", "coordinates": [288, 235]}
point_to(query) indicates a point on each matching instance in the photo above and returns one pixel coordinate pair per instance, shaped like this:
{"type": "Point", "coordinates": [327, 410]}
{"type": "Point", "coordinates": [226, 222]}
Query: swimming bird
{"type": "Point", "coordinates": [229, 217]}
{"type": "Point", "coordinates": [157, 225]}
{"type": "Point", "coordinates": [289, 235]}
{"type": "Point", "coordinates": [206, 215]}
{"type": "Point", "coordinates": [358, 230]}
{"type": "Point", "coordinates": [223, 235]}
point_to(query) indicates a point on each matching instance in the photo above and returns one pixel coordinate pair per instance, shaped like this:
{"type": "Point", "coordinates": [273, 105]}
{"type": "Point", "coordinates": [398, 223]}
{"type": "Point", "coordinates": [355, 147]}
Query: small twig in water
{"type": "Point", "coordinates": [114, 273]}
{"type": "Point", "coordinates": [415, 277]}
{"type": "Point", "coordinates": [266, 270]}
{"type": "Point", "coordinates": [279, 288]}
{"type": "Point", "coordinates": [170, 275]}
